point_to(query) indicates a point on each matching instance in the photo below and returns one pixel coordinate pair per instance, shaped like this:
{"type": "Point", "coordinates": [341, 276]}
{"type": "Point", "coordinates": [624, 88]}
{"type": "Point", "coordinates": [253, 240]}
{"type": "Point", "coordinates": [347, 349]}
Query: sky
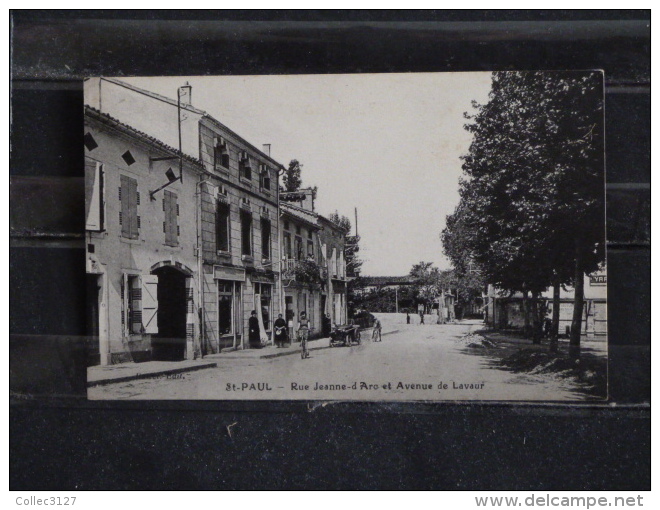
{"type": "Point", "coordinates": [386, 144]}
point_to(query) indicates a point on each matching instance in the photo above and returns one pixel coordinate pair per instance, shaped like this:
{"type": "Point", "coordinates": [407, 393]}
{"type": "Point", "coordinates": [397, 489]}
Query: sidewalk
{"type": "Point", "coordinates": [122, 372]}
{"type": "Point", "coordinates": [100, 375]}
{"type": "Point", "coordinates": [272, 351]}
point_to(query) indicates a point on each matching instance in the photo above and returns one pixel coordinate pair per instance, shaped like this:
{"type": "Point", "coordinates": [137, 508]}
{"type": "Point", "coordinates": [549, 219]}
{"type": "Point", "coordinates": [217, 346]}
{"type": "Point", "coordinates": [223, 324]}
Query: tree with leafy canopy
{"type": "Point", "coordinates": [340, 220]}
{"type": "Point", "coordinates": [426, 281]}
{"type": "Point", "coordinates": [468, 285]}
{"type": "Point", "coordinates": [292, 179]}
{"type": "Point", "coordinates": [531, 212]}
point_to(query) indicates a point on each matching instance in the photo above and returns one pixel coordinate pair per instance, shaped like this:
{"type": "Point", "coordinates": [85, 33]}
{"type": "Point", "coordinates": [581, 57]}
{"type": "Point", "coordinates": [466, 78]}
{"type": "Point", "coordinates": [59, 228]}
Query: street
{"type": "Point", "coordinates": [414, 362]}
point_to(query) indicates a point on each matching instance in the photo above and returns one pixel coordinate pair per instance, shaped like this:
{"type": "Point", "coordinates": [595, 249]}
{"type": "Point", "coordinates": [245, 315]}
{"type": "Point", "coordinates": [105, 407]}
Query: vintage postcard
{"type": "Point", "coordinates": [366, 237]}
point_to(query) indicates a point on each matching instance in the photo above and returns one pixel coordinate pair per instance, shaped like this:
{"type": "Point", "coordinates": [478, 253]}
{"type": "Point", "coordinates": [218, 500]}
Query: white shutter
{"type": "Point", "coordinates": [93, 198]}
{"type": "Point", "coordinates": [150, 303]}
{"type": "Point", "coordinates": [324, 257]}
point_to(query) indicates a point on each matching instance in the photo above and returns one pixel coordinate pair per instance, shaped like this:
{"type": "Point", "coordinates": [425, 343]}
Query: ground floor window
{"type": "Point", "coordinates": [289, 307]}
{"type": "Point", "coordinates": [265, 291]}
{"type": "Point", "coordinates": [131, 313]}
{"type": "Point", "coordinates": [302, 304]}
{"type": "Point", "coordinates": [225, 307]}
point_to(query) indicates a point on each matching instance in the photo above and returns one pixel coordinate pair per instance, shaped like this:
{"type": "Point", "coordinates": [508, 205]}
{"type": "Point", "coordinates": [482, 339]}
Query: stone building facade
{"type": "Point", "coordinates": [141, 245]}
{"type": "Point", "coordinates": [303, 276]}
{"type": "Point", "coordinates": [332, 240]}
{"type": "Point", "coordinates": [240, 236]}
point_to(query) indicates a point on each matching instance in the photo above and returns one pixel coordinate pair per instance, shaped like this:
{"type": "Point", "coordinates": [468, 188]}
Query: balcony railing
{"type": "Point", "coordinates": [304, 271]}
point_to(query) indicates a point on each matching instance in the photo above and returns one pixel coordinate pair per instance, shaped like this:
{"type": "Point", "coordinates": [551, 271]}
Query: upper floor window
{"type": "Point", "coordinates": [246, 233]}
{"type": "Point", "coordinates": [265, 238]}
{"type": "Point", "coordinates": [220, 154]}
{"type": "Point", "coordinates": [128, 214]}
{"type": "Point", "coordinates": [244, 166]}
{"type": "Point", "coordinates": [171, 224]}
{"type": "Point", "coordinates": [222, 227]}
{"type": "Point", "coordinates": [264, 172]}
{"type": "Point", "coordinates": [310, 249]}
{"type": "Point", "coordinates": [287, 245]}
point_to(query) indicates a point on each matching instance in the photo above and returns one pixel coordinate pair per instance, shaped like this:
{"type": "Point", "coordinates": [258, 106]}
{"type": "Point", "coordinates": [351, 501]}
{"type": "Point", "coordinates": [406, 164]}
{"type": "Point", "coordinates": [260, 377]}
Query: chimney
{"type": "Point", "coordinates": [185, 95]}
{"type": "Point", "coordinates": [267, 149]}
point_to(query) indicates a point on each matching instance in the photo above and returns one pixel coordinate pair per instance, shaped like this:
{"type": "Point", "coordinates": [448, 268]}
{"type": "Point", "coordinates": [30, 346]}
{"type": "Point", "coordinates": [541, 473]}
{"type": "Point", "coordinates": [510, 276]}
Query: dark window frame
{"type": "Point", "coordinates": [223, 212]}
{"type": "Point", "coordinates": [266, 239]}
{"type": "Point", "coordinates": [247, 248]}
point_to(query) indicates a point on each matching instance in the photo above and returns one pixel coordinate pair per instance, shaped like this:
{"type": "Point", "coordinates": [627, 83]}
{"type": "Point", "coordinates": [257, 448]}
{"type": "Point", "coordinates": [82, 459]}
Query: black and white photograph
{"type": "Point", "coordinates": [347, 237]}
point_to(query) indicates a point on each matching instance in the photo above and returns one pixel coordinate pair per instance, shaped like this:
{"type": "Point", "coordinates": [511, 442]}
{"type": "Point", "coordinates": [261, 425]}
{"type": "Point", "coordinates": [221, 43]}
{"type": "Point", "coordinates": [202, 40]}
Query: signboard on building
{"type": "Point", "coordinates": [598, 280]}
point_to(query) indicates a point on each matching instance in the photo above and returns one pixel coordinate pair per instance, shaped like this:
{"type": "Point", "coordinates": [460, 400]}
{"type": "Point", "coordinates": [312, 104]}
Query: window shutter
{"type": "Point", "coordinates": [173, 218]}
{"type": "Point", "coordinates": [150, 303]}
{"type": "Point", "coordinates": [133, 208]}
{"type": "Point", "coordinates": [93, 195]}
{"type": "Point", "coordinates": [167, 198]}
{"type": "Point", "coordinates": [342, 266]}
{"type": "Point", "coordinates": [124, 304]}
{"type": "Point", "coordinates": [135, 295]}
{"type": "Point", "coordinates": [124, 217]}
{"type": "Point", "coordinates": [171, 228]}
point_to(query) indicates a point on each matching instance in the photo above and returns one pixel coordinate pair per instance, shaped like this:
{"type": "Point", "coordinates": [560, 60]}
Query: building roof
{"type": "Point", "coordinates": [197, 111]}
{"type": "Point", "coordinates": [332, 224]}
{"type": "Point", "coordinates": [145, 92]}
{"type": "Point", "coordinates": [299, 213]}
{"type": "Point", "coordinates": [261, 153]}
{"type": "Point", "coordinates": [108, 120]}
{"type": "Point", "coordinates": [387, 280]}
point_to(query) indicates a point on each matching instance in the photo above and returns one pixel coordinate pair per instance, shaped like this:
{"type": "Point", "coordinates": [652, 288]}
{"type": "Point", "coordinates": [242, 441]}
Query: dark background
{"type": "Point", "coordinates": [59, 440]}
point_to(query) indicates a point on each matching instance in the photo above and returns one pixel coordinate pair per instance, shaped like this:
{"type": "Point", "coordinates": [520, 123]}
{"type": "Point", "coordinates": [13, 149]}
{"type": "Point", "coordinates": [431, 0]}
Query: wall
{"type": "Point", "coordinates": [262, 205]}
{"type": "Point", "coordinates": [305, 297]}
{"type": "Point", "coordinates": [115, 255]}
{"type": "Point", "coordinates": [146, 112]}
{"type": "Point", "coordinates": [334, 239]}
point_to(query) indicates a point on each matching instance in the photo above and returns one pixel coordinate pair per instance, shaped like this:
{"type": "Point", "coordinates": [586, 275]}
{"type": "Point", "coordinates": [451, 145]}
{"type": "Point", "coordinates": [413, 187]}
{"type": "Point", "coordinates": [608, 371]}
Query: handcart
{"type": "Point", "coordinates": [345, 335]}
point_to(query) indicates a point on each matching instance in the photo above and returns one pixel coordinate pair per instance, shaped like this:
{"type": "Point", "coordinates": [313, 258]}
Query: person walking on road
{"type": "Point", "coordinates": [303, 333]}
{"type": "Point", "coordinates": [376, 334]}
{"type": "Point", "coordinates": [407, 317]}
{"type": "Point", "coordinates": [421, 316]}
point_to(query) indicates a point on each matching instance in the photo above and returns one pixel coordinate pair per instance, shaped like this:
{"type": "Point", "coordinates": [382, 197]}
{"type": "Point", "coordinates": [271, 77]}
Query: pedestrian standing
{"type": "Point", "coordinates": [280, 331]}
{"type": "Point", "coordinates": [407, 317]}
{"type": "Point", "coordinates": [253, 331]}
{"type": "Point", "coordinates": [421, 316]}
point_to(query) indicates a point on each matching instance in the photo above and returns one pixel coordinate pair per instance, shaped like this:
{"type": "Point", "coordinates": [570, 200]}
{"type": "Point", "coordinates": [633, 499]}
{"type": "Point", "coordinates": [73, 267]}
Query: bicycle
{"type": "Point", "coordinates": [303, 334]}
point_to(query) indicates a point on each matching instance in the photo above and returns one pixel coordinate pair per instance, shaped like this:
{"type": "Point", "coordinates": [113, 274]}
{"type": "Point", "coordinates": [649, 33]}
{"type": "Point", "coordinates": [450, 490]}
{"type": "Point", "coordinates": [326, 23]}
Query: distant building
{"type": "Point", "coordinates": [333, 241]}
{"type": "Point", "coordinates": [313, 241]}
{"type": "Point", "coordinates": [303, 275]}
{"type": "Point", "coordinates": [507, 311]}
{"type": "Point", "coordinates": [370, 283]}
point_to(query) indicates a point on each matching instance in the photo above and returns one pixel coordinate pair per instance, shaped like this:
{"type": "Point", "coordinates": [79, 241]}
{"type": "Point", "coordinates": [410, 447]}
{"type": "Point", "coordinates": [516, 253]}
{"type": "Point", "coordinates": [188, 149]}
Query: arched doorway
{"type": "Point", "coordinates": [170, 342]}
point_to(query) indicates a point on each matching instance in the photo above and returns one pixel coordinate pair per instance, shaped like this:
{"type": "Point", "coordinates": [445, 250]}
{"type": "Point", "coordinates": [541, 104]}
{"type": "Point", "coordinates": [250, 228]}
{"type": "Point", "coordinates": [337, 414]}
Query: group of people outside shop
{"type": "Point", "coordinates": [282, 331]}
